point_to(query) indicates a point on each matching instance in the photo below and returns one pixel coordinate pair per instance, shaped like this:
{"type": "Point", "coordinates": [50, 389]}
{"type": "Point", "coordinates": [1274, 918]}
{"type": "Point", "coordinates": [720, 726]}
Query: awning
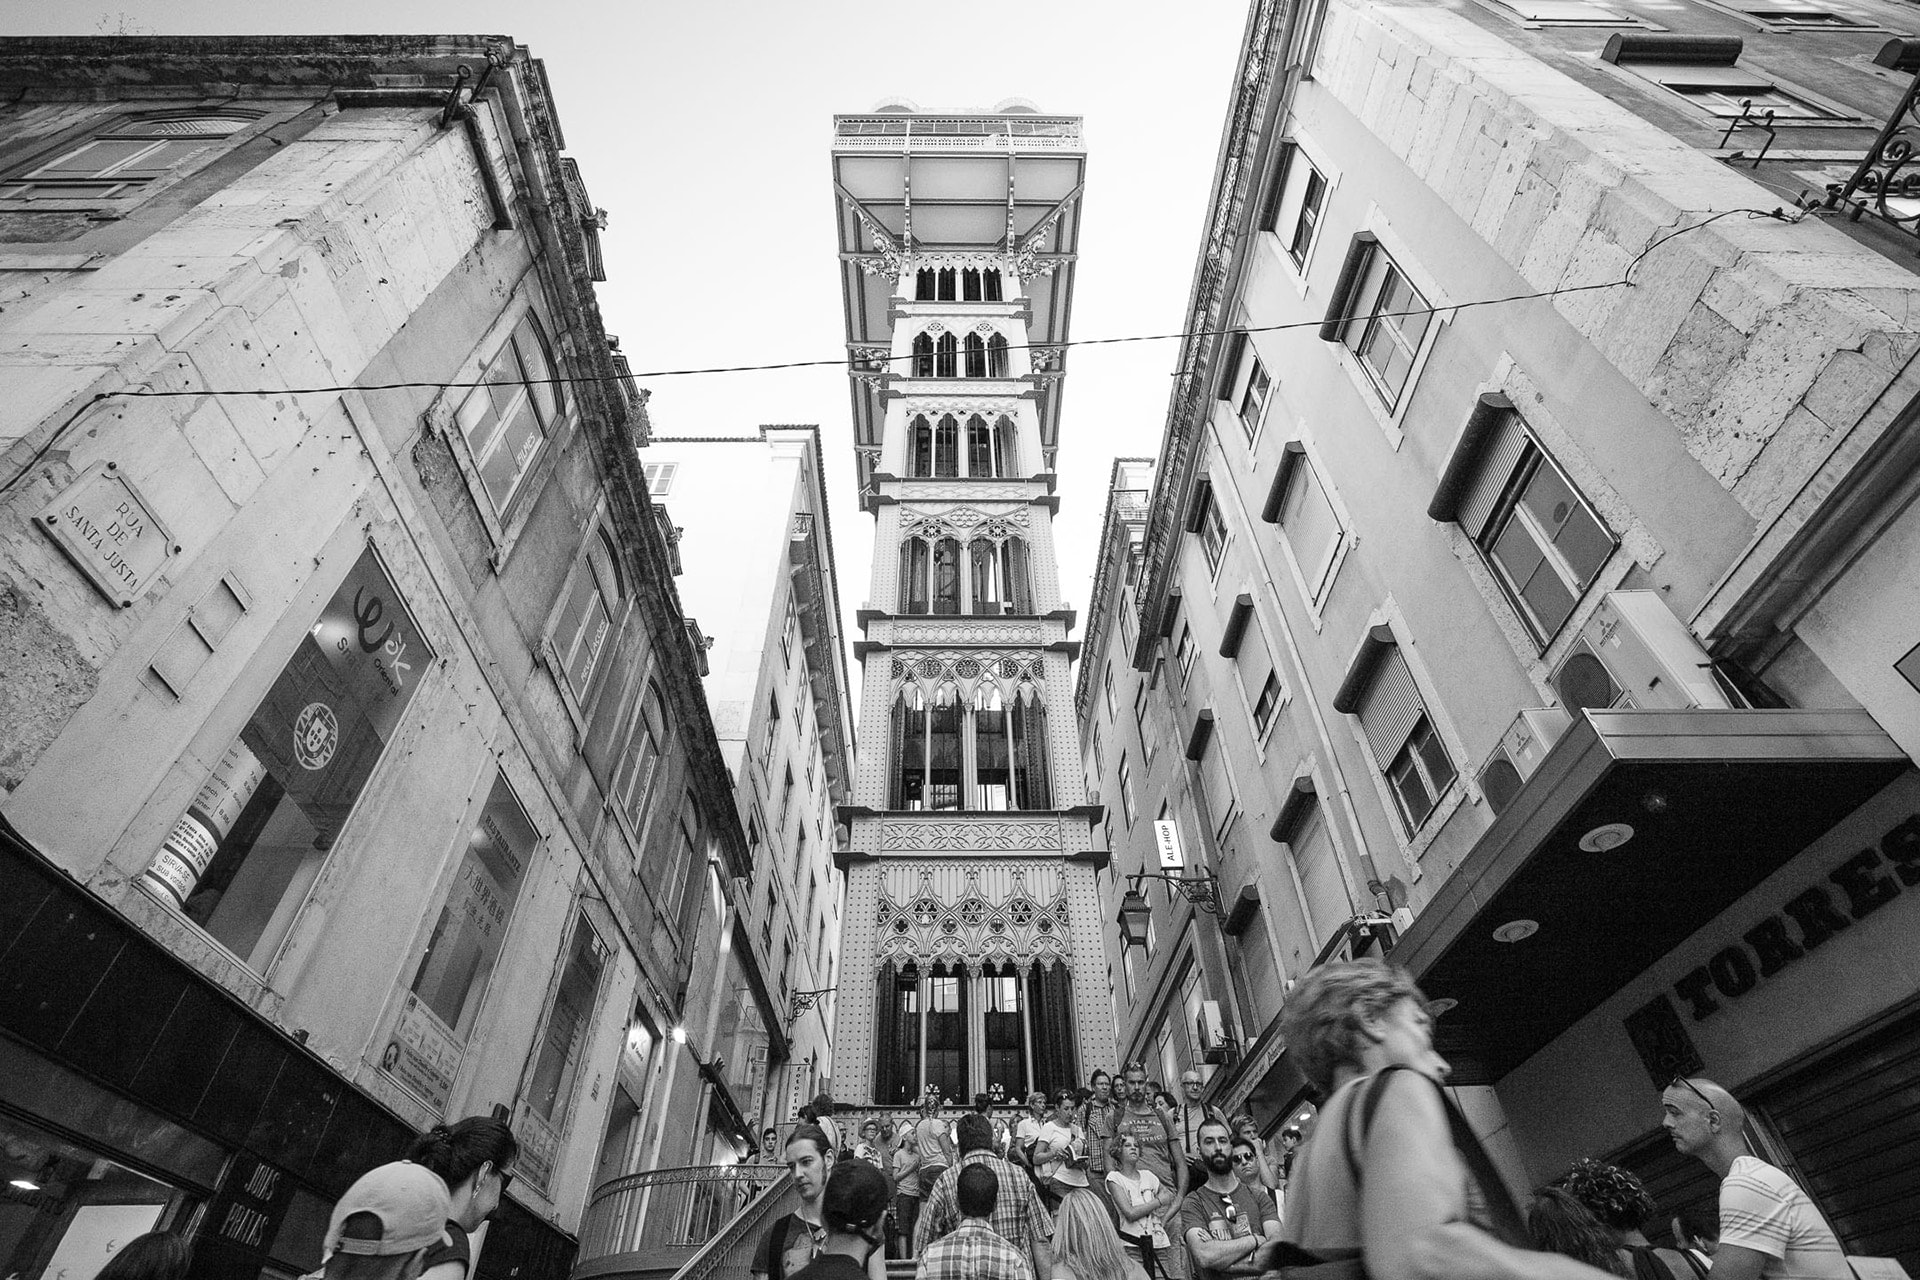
{"type": "Point", "coordinates": [1716, 800]}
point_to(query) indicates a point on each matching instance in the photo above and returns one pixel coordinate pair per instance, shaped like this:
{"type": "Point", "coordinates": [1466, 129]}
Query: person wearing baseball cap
{"type": "Point", "coordinates": [383, 1226]}
{"type": "Point", "coordinates": [853, 1211]}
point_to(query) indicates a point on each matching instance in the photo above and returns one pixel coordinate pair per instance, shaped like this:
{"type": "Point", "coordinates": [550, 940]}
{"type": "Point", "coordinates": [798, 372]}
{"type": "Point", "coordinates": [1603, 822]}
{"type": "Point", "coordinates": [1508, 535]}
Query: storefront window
{"type": "Point", "coordinates": [239, 862]}
{"type": "Point", "coordinates": [431, 1035]}
{"type": "Point", "coordinates": [543, 1107]}
{"type": "Point", "coordinates": [741, 1039]}
{"type": "Point", "coordinates": [65, 1210]}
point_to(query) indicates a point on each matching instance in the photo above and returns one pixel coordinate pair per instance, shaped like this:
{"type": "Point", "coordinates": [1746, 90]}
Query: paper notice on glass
{"type": "Point", "coordinates": [423, 1055]}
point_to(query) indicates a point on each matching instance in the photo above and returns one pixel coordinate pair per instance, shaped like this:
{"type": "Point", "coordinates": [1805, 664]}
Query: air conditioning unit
{"type": "Point", "coordinates": [1007, 607]}
{"type": "Point", "coordinates": [1211, 1032]}
{"type": "Point", "coordinates": [1634, 652]}
{"type": "Point", "coordinates": [1522, 747]}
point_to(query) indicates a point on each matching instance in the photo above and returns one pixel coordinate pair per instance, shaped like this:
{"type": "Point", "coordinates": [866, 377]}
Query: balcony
{"type": "Point", "coordinates": [697, 1222]}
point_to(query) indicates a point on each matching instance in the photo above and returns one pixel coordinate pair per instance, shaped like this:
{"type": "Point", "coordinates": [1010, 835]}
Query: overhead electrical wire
{"type": "Point", "coordinates": [149, 393]}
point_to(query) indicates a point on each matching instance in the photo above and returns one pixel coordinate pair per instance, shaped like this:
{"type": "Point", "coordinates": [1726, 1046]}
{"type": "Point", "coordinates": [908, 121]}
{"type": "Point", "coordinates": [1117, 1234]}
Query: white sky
{"type": "Point", "coordinates": [703, 126]}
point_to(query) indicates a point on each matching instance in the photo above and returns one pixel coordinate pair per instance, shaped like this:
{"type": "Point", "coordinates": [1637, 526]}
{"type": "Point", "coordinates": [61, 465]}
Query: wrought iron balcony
{"type": "Point", "coordinates": [1886, 183]}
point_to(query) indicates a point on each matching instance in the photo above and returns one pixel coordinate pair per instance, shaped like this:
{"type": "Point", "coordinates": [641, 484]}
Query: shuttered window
{"type": "Point", "coordinates": [1390, 707]}
{"type": "Point", "coordinates": [1310, 526]}
{"type": "Point", "coordinates": [1411, 756]}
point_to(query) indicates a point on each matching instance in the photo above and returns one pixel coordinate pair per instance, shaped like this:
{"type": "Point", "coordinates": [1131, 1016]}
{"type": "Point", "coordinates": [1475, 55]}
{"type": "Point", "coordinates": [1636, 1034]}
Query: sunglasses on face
{"type": "Point", "coordinates": [1243, 1157]}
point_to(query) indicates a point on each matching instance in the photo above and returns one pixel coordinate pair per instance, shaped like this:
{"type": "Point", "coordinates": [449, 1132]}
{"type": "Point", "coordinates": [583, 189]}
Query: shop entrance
{"type": "Point", "coordinates": [1848, 1129]}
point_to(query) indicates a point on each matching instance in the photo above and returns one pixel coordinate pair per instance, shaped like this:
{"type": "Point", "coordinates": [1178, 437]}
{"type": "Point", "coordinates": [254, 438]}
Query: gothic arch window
{"type": "Point", "coordinates": [946, 283]}
{"type": "Point", "coordinates": [923, 355]}
{"type": "Point", "coordinates": [997, 366]}
{"type": "Point", "coordinates": [975, 348]}
{"type": "Point", "coordinates": [946, 444]}
{"type": "Point", "coordinates": [920, 447]}
{"type": "Point", "coordinates": [946, 575]}
{"type": "Point", "coordinates": [946, 357]}
{"type": "Point", "coordinates": [986, 577]}
{"type": "Point", "coordinates": [970, 285]}
{"type": "Point", "coordinates": [913, 575]}
{"type": "Point", "coordinates": [1006, 454]}
{"type": "Point", "coordinates": [923, 285]}
{"type": "Point", "coordinates": [980, 448]}
{"type": "Point", "coordinates": [988, 754]}
{"type": "Point", "coordinates": [922, 1031]}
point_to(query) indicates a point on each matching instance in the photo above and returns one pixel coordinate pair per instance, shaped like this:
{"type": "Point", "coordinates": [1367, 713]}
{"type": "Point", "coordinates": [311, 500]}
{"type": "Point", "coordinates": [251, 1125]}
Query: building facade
{"type": "Point", "coordinates": [356, 771]}
{"type": "Point", "coordinates": [1529, 575]}
{"type": "Point", "coordinates": [750, 518]}
{"type": "Point", "coordinates": [972, 954]}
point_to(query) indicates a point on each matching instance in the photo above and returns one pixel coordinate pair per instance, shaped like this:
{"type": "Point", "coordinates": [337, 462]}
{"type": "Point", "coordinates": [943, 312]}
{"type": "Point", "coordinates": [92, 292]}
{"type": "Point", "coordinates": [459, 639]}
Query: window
{"type": "Point", "coordinates": [1295, 203]}
{"type": "Point", "coordinates": [1093, 746]}
{"type": "Point", "coordinates": [240, 860]}
{"type": "Point", "coordinates": [647, 738]}
{"type": "Point", "coordinates": [1750, 96]}
{"type": "Point", "coordinates": [447, 987]}
{"type": "Point", "coordinates": [1266, 703]}
{"type": "Point", "coordinates": [1183, 653]}
{"type": "Point", "coordinates": [1565, 13]}
{"type": "Point", "coordinates": [786, 796]}
{"type": "Point", "coordinates": [984, 577]}
{"type": "Point", "coordinates": [1143, 721]}
{"type": "Point", "coordinates": [659, 477]}
{"type": "Point", "coordinates": [1126, 788]}
{"type": "Point", "coordinates": [1246, 385]}
{"type": "Point", "coordinates": [1799, 15]}
{"type": "Point", "coordinates": [506, 421]}
{"type": "Point", "coordinates": [1216, 784]}
{"type": "Point", "coordinates": [563, 1041]}
{"type": "Point", "coordinates": [1309, 525]}
{"type": "Point", "coordinates": [1106, 691]}
{"type": "Point", "coordinates": [1545, 544]}
{"type": "Point", "coordinates": [1213, 532]}
{"type": "Point", "coordinates": [1410, 754]}
{"type": "Point", "coordinates": [122, 158]}
{"type": "Point", "coordinates": [1388, 325]}
{"type": "Point", "coordinates": [789, 633]}
{"type": "Point", "coordinates": [1705, 71]}
{"type": "Point", "coordinates": [773, 730]}
{"type": "Point", "coordinates": [580, 635]}
{"type": "Point", "coordinates": [989, 753]}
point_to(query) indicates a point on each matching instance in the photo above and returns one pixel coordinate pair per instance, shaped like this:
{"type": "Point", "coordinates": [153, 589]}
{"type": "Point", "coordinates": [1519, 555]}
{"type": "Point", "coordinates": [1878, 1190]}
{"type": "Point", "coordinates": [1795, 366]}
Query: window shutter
{"type": "Point", "coordinates": [1390, 707]}
{"type": "Point", "coordinates": [1497, 463]}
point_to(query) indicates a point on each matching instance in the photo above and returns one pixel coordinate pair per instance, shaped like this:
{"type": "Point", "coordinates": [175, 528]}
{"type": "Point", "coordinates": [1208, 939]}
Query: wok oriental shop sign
{"type": "Point", "coordinates": [314, 739]}
{"type": "Point", "coordinates": [1855, 888]}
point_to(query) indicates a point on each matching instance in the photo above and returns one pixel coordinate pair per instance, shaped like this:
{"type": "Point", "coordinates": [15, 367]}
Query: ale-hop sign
{"type": "Point", "coordinates": [110, 533]}
{"type": "Point", "coordinates": [1166, 838]}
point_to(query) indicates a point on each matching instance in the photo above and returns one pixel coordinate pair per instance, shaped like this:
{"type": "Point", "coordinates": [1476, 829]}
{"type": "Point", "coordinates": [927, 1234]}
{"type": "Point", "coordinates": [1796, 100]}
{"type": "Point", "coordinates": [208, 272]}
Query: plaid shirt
{"type": "Point", "coordinates": [1018, 1216]}
{"type": "Point", "coordinates": [973, 1251]}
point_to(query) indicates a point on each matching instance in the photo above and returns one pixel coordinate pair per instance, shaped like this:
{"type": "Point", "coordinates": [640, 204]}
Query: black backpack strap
{"type": "Point", "coordinates": [1507, 1223]}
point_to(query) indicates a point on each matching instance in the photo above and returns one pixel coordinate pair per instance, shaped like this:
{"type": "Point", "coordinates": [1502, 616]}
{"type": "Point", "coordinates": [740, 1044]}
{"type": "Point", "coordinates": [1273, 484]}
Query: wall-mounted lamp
{"type": "Point", "coordinates": [1202, 889]}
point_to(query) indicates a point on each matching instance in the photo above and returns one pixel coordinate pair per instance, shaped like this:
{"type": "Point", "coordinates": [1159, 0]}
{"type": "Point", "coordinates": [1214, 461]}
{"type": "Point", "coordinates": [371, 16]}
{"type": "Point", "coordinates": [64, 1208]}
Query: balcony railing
{"type": "Point", "coordinates": [659, 1219]}
{"type": "Point", "coordinates": [1886, 183]}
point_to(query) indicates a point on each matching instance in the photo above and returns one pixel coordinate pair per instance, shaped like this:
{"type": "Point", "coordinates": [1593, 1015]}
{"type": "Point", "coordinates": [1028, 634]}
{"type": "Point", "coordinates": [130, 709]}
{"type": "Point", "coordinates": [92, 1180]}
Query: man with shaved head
{"type": "Point", "coordinates": [1769, 1230]}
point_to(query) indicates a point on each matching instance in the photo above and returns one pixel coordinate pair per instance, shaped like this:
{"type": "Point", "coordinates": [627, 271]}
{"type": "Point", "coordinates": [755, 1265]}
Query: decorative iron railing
{"type": "Point", "coordinates": [670, 1209]}
{"type": "Point", "coordinates": [1887, 181]}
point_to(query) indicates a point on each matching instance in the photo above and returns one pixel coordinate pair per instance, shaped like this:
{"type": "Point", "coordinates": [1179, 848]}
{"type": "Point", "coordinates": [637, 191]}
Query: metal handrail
{"type": "Point", "coordinates": [670, 1209]}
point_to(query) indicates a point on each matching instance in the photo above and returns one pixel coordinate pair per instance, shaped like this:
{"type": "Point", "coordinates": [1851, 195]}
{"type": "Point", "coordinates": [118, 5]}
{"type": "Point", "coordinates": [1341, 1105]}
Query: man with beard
{"type": "Point", "coordinates": [793, 1240]}
{"type": "Point", "coordinates": [1230, 1227]}
{"type": "Point", "coordinates": [1151, 1125]}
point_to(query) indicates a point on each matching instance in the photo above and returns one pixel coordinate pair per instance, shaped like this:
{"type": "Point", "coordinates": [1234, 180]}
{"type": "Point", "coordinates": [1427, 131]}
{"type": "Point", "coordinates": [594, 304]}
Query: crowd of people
{"type": "Point", "coordinates": [1124, 1181]}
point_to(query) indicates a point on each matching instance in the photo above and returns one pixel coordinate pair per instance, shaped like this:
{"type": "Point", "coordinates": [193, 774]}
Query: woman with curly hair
{"type": "Point", "coordinates": [1430, 1205]}
{"type": "Point", "coordinates": [1559, 1223]}
{"type": "Point", "coordinates": [1620, 1201]}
